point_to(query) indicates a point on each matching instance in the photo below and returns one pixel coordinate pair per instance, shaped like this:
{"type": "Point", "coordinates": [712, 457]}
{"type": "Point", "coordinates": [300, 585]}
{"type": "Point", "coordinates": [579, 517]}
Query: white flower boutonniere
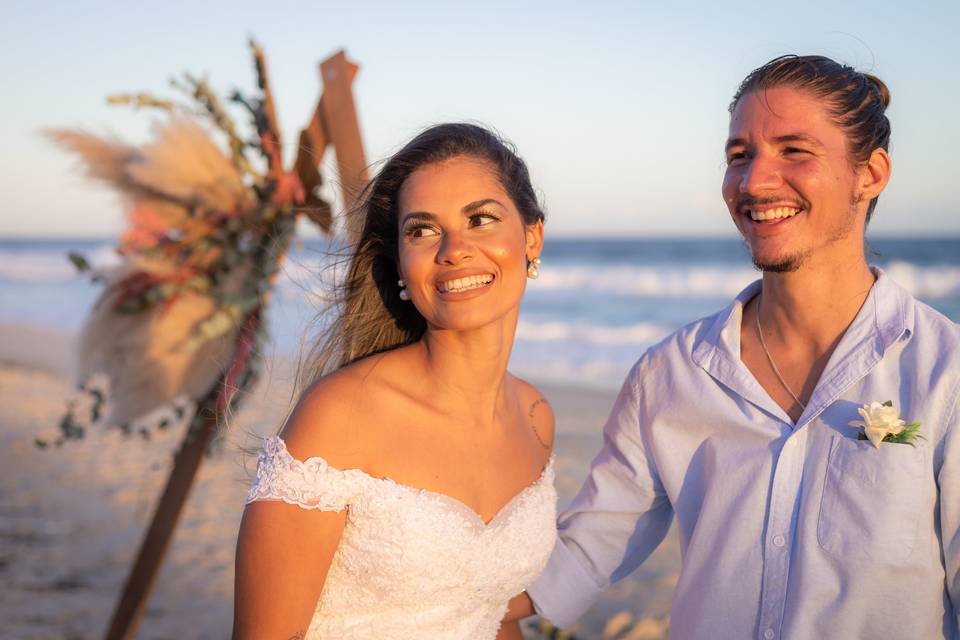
{"type": "Point", "coordinates": [882, 423]}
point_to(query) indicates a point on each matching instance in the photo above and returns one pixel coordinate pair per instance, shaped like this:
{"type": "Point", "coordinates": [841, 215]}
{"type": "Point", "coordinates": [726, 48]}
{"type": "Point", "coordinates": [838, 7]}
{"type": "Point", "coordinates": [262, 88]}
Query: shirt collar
{"type": "Point", "coordinates": [887, 316]}
{"type": "Point", "coordinates": [888, 309]}
{"type": "Point", "coordinates": [896, 309]}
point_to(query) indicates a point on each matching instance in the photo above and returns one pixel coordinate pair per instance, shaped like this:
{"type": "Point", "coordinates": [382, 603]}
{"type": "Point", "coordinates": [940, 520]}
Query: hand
{"type": "Point", "coordinates": [520, 606]}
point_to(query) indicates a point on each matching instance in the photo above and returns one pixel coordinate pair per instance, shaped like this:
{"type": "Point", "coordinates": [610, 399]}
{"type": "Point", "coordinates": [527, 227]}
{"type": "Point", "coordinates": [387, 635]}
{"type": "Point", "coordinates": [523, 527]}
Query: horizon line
{"type": "Point", "coordinates": [560, 235]}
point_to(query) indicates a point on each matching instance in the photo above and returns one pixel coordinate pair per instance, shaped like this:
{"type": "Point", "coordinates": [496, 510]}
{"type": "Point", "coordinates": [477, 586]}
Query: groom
{"type": "Point", "coordinates": [749, 425]}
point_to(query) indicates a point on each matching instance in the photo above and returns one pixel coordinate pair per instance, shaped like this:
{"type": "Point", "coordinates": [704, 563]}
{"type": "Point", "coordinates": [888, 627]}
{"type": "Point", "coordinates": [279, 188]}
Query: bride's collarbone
{"type": "Point", "coordinates": [482, 473]}
{"type": "Point", "coordinates": [419, 437]}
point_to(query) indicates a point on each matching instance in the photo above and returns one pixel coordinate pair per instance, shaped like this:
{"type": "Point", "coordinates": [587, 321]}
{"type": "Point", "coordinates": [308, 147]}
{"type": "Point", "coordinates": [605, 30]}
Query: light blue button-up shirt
{"type": "Point", "coordinates": [787, 530]}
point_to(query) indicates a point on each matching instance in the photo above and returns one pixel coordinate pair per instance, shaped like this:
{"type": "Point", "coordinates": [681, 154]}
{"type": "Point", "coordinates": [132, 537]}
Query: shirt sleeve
{"type": "Point", "coordinates": [616, 520]}
{"type": "Point", "coordinates": [309, 484]}
{"type": "Point", "coordinates": [948, 479]}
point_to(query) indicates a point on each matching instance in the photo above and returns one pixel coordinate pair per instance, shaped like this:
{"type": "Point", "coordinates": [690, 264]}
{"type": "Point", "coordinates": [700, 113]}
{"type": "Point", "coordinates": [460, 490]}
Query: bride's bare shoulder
{"type": "Point", "coordinates": [537, 409]}
{"type": "Point", "coordinates": [331, 418]}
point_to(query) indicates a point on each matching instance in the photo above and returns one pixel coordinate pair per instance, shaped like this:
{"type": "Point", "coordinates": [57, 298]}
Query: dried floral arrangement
{"type": "Point", "coordinates": [176, 330]}
{"type": "Point", "coordinates": [175, 335]}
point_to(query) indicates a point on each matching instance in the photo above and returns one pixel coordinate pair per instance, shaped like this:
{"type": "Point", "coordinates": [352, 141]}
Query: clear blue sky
{"type": "Point", "coordinates": [619, 108]}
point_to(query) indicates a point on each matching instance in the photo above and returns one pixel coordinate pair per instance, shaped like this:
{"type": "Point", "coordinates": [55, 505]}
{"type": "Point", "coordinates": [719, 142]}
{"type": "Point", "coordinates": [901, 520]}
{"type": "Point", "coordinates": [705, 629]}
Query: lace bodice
{"type": "Point", "coordinates": [412, 563]}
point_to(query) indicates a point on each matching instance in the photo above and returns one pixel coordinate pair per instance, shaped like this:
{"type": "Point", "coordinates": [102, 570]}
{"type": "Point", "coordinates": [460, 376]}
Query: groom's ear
{"type": "Point", "coordinates": [874, 175]}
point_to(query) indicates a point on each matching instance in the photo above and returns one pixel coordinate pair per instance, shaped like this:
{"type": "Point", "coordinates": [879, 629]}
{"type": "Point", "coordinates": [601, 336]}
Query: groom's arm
{"type": "Point", "coordinates": [948, 479]}
{"type": "Point", "coordinates": [616, 520]}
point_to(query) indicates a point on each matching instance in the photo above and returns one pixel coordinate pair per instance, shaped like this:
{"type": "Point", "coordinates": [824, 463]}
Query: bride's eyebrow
{"type": "Point", "coordinates": [469, 208]}
{"type": "Point", "coordinates": [417, 215]}
{"type": "Point", "coordinates": [479, 204]}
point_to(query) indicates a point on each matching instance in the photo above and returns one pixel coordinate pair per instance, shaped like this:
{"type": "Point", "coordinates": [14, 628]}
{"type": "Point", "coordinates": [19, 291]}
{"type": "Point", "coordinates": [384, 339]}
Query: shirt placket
{"type": "Point", "coordinates": [779, 538]}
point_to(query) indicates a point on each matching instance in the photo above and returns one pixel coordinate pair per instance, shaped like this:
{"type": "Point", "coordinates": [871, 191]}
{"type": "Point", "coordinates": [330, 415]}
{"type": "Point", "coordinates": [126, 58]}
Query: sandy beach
{"type": "Point", "coordinates": [71, 518]}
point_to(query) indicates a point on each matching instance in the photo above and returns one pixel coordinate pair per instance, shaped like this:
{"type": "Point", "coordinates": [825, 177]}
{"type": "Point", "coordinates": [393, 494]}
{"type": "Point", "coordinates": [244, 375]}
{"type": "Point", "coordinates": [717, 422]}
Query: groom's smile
{"type": "Point", "coordinates": [772, 215]}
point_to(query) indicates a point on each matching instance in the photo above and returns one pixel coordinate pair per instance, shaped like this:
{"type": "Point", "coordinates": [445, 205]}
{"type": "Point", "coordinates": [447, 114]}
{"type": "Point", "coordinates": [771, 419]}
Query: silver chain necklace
{"type": "Point", "coordinates": [773, 365]}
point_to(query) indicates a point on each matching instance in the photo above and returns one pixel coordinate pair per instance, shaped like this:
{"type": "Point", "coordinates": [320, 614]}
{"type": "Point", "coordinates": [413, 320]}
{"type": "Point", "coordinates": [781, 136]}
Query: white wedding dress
{"type": "Point", "coordinates": [413, 564]}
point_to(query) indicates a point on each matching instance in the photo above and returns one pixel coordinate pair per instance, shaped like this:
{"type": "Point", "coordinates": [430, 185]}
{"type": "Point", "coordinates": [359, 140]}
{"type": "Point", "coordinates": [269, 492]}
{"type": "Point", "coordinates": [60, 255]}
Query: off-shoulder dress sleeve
{"type": "Point", "coordinates": [310, 484]}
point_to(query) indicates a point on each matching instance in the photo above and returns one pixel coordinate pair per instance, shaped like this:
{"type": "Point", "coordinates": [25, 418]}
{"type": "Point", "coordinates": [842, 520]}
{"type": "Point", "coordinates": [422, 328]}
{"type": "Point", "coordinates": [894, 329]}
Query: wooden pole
{"type": "Point", "coordinates": [264, 79]}
{"type": "Point", "coordinates": [313, 142]}
{"type": "Point", "coordinates": [343, 128]}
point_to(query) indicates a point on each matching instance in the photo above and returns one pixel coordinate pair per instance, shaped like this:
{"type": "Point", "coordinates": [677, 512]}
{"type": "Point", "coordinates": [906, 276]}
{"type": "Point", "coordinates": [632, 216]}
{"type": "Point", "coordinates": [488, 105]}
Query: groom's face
{"type": "Point", "coordinates": [790, 185]}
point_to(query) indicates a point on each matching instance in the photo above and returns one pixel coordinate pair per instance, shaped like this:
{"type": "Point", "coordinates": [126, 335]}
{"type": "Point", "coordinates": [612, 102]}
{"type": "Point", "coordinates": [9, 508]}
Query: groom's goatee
{"type": "Point", "coordinates": [783, 266]}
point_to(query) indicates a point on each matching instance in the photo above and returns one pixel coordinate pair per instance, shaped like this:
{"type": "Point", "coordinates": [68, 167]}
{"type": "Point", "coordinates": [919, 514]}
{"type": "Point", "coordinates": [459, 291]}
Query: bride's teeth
{"type": "Point", "coordinates": [463, 284]}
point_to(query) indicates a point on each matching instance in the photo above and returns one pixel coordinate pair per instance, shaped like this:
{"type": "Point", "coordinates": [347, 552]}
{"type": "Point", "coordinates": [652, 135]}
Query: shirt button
{"type": "Point", "coordinates": [768, 634]}
{"type": "Point", "coordinates": [778, 541]}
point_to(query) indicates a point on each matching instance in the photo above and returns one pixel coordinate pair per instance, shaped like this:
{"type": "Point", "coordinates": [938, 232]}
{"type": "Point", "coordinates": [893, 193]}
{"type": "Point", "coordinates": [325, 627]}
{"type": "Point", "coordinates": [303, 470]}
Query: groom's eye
{"type": "Point", "coordinates": [735, 156]}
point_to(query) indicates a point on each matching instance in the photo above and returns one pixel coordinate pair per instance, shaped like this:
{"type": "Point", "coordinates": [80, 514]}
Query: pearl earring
{"type": "Point", "coordinates": [403, 290]}
{"type": "Point", "coordinates": [533, 268]}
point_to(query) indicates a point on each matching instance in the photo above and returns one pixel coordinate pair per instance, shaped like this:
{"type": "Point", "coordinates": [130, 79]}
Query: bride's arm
{"type": "Point", "coordinates": [284, 550]}
{"type": "Point", "coordinates": [283, 554]}
{"type": "Point", "coordinates": [510, 631]}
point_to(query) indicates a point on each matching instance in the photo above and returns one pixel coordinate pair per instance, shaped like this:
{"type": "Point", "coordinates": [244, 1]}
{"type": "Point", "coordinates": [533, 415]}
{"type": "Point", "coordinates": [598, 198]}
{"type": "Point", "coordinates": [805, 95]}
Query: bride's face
{"type": "Point", "coordinates": [463, 245]}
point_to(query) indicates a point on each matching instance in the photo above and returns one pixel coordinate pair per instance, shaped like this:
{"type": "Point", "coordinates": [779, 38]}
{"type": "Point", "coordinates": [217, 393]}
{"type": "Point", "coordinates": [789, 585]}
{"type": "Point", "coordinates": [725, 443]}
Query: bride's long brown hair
{"type": "Point", "coordinates": [368, 315]}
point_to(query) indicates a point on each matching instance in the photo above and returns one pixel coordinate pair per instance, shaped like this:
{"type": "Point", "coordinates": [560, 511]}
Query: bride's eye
{"type": "Point", "coordinates": [482, 219]}
{"type": "Point", "coordinates": [416, 231]}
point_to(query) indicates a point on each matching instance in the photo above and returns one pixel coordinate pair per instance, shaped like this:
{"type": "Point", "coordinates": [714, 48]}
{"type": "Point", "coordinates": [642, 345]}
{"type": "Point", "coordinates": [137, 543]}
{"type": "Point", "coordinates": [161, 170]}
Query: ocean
{"type": "Point", "coordinates": [598, 304]}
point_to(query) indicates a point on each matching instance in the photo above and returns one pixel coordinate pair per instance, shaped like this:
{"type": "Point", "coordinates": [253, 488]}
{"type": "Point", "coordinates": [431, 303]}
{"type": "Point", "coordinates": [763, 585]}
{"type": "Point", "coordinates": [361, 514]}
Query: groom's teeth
{"type": "Point", "coordinates": [774, 214]}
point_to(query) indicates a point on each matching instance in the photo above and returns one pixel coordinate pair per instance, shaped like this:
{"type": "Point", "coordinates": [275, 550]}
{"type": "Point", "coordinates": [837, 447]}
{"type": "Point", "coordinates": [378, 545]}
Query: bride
{"type": "Point", "coordinates": [410, 494]}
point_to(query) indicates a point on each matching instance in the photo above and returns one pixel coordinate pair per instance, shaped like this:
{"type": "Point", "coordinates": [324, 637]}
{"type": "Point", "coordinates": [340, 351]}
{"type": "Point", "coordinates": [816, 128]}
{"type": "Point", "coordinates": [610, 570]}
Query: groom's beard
{"type": "Point", "coordinates": [787, 264]}
{"type": "Point", "coordinates": [782, 265]}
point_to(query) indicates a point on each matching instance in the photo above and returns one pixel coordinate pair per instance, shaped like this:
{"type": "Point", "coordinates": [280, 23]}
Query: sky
{"type": "Point", "coordinates": [619, 108]}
